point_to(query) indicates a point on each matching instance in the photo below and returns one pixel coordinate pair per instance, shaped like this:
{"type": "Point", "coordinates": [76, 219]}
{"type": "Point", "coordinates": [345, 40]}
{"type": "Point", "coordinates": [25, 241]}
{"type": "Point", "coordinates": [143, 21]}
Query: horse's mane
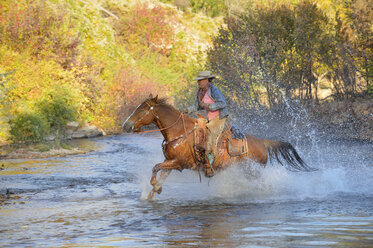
{"type": "Point", "coordinates": [163, 101]}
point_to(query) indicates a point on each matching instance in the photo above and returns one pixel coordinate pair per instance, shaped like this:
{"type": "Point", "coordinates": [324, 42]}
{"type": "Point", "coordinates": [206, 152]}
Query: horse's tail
{"type": "Point", "coordinates": [288, 153]}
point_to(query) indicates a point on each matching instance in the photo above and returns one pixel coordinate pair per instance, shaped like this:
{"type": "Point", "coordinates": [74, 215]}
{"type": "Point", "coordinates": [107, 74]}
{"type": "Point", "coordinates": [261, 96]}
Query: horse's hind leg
{"type": "Point", "coordinates": [166, 168]}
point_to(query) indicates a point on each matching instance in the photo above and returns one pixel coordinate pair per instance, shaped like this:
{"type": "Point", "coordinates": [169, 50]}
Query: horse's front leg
{"type": "Point", "coordinates": [161, 179]}
{"type": "Point", "coordinates": [166, 168]}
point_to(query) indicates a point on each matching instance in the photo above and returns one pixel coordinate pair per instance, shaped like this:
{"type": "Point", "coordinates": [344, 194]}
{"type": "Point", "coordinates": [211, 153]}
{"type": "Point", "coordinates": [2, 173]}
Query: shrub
{"type": "Point", "coordinates": [51, 113]}
{"type": "Point", "coordinates": [28, 127]}
{"type": "Point", "coordinates": [58, 107]}
{"type": "Point", "coordinates": [212, 8]}
{"type": "Point", "coordinates": [40, 29]}
{"type": "Point", "coordinates": [149, 26]}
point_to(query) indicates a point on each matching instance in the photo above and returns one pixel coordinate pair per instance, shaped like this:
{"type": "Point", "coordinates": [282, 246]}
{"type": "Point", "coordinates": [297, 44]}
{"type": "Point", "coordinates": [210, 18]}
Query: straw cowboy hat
{"type": "Point", "coordinates": [204, 74]}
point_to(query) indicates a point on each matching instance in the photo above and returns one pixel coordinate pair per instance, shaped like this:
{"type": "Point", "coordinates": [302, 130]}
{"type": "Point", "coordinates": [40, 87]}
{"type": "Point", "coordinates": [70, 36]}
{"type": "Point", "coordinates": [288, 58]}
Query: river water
{"type": "Point", "coordinates": [98, 200]}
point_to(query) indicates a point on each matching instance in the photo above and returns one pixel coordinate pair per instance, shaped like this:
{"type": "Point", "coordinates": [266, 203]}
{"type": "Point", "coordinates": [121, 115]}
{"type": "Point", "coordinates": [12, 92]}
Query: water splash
{"type": "Point", "coordinates": [250, 182]}
{"type": "Point", "coordinates": [344, 168]}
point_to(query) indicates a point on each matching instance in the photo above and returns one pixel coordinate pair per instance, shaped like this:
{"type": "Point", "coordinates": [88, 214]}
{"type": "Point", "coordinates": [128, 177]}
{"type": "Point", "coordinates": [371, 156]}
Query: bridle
{"type": "Point", "coordinates": [181, 116]}
{"type": "Point", "coordinates": [151, 110]}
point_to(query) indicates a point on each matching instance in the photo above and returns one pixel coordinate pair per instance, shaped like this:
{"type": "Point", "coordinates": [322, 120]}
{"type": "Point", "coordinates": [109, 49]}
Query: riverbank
{"type": "Point", "coordinates": [39, 151]}
{"type": "Point", "coordinates": [347, 119]}
{"type": "Point", "coordinates": [48, 148]}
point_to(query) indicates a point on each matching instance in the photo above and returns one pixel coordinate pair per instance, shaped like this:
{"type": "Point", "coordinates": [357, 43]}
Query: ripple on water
{"type": "Point", "coordinates": [95, 200]}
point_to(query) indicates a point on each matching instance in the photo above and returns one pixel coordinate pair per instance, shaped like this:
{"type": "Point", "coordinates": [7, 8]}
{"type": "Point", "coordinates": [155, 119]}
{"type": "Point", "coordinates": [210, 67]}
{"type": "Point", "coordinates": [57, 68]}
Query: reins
{"type": "Point", "coordinates": [160, 129]}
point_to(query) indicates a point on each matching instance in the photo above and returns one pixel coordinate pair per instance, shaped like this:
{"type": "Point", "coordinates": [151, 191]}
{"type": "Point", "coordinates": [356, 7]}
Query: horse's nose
{"type": "Point", "coordinates": [127, 126]}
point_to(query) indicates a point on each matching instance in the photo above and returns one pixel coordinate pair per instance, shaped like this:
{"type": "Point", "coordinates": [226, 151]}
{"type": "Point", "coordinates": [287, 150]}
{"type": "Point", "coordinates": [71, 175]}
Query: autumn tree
{"type": "Point", "coordinates": [270, 53]}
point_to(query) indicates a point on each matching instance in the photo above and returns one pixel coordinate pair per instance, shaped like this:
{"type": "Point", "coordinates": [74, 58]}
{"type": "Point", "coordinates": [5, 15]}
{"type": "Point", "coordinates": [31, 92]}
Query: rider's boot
{"type": "Point", "coordinates": [208, 166]}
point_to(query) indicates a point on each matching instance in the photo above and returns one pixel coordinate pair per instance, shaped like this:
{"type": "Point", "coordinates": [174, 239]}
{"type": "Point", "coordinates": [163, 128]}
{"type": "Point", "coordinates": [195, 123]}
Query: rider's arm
{"type": "Point", "coordinates": [219, 100]}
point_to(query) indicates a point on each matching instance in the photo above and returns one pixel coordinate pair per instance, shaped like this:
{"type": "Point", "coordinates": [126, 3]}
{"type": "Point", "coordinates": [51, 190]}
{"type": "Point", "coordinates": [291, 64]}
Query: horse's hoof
{"type": "Point", "coordinates": [209, 173]}
{"type": "Point", "coordinates": [151, 195]}
{"type": "Point", "coordinates": [159, 190]}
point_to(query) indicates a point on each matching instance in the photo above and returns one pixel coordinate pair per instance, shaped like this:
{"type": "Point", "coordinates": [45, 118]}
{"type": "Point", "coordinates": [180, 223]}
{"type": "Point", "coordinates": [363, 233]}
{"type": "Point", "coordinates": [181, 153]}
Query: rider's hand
{"type": "Point", "coordinates": [204, 105]}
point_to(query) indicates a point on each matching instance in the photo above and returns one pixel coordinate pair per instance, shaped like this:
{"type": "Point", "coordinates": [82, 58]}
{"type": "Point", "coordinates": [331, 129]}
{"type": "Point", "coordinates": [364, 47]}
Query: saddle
{"type": "Point", "coordinates": [234, 145]}
{"type": "Point", "coordinates": [227, 144]}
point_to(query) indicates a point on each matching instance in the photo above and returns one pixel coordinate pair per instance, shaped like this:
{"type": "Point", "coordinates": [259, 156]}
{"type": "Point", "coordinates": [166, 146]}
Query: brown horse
{"type": "Point", "coordinates": [179, 132]}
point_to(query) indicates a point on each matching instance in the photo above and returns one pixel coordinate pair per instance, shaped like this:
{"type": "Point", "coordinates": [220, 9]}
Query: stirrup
{"type": "Point", "coordinates": [209, 170]}
{"type": "Point", "coordinates": [210, 158]}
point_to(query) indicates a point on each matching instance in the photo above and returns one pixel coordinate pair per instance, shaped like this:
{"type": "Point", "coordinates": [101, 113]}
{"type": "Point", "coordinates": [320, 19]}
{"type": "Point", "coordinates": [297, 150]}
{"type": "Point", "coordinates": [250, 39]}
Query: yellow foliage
{"type": "Point", "coordinates": [32, 80]}
{"type": "Point", "coordinates": [81, 51]}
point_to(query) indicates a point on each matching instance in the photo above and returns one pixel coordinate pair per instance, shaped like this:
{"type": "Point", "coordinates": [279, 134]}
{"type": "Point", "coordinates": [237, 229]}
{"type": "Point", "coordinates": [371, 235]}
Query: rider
{"type": "Point", "coordinates": [210, 98]}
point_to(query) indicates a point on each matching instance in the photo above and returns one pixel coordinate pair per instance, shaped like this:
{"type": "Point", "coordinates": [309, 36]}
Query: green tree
{"type": "Point", "coordinates": [250, 55]}
{"type": "Point", "coordinates": [28, 127]}
{"type": "Point", "coordinates": [274, 51]}
{"type": "Point", "coordinates": [58, 107]}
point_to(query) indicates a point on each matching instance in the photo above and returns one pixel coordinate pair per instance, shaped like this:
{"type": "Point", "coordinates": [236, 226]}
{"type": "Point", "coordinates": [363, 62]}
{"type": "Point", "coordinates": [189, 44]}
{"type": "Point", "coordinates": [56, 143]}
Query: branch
{"type": "Point", "coordinates": [101, 8]}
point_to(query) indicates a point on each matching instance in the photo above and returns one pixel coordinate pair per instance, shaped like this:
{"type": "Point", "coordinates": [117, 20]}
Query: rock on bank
{"type": "Point", "coordinates": [73, 131]}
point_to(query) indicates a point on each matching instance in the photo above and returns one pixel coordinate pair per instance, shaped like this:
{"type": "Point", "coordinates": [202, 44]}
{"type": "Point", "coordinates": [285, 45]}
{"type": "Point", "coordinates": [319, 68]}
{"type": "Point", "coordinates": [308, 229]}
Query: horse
{"type": "Point", "coordinates": [179, 132]}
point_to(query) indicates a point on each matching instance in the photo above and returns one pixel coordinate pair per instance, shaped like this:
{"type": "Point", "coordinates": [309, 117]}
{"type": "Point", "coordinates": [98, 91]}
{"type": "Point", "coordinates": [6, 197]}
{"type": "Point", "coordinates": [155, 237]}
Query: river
{"type": "Point", "coordinates": [98, 200]}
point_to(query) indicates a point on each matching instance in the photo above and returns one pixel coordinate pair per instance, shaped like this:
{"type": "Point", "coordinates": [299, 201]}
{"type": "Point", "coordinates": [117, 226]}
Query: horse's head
{"type": "Point", "coordinates": [142, 116]}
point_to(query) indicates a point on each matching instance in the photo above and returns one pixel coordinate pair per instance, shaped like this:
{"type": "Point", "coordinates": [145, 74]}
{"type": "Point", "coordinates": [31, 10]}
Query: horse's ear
{"type": "Point", "coordinates": [153, 99]}
{"type": "Point", "coordinates": [200, 116]}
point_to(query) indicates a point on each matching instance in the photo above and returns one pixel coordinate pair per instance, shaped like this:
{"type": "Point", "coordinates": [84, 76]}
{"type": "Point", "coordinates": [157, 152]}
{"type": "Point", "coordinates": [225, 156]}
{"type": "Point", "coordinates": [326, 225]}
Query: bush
{"type": "Point", "coordinates": [50, 114]}
{"type": "Point", "coordinates": [211, 8]}
{"type": "Point", "coordinates": [150, 27]}
{"type": "Point", "coordinates": [28, 127]}
{"type": "Point", "coordinates": [40, 29]}
{"type": "Point", "coordinates": [58, 107]}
